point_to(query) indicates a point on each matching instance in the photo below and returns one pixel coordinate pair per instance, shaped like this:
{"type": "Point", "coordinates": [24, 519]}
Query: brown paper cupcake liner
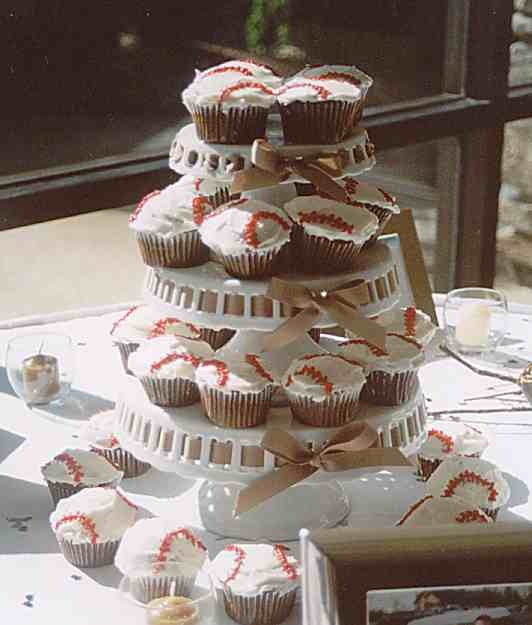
{"type": "Point", "coordinates": [62, 490]}
{"type": "Point", "coordinates": [336, 410]}
{"type": "Point", "coordinates": [321, 255]}
{"type": "Point", "coordinates": [235, 409]}
{"type": "Point", "coordinates": [267, 608]}
{"type": "Point", "coordinates": [318, 122]}
{"type": "Point", "coordinates": [122, 459]}
{"type": "Point", "coordinates": [315, 334]}
{"type": "Point", "coordinates": [491, 513]}
{"type": "Point", "coordinates": [427, 466]}
{"type": "Point", "coordinates": [390, 389]}
{"type": "Point", "coordinates": [182, 250]}
{"type": "Point", "coordinates": [216, 338]}
{"type": "Point", "coordinates": [126, 349]}
{"type": "Point", "coordinates": [86, 555]}
{"type": "Point", "coordinates": [383, 215]}
{"type": "Point", "coordinates": [215, 124]}
{"type": "Point", "coordinates": [254, 266]}
{"type": "Point", "coordinates": [176, 393]}
{"type": "Point", "coordinates": [144, 589]}
{"type": "Point", "coordinates": [220, 196]}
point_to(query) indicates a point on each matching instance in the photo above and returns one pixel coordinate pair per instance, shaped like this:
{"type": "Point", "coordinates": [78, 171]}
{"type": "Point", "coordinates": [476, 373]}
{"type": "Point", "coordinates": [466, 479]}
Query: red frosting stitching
{"type": "Point", "coordinates": [350, 184]}
{"type": "Point", "coordinates": [244, 84]}
{"type": "Point", "coordinates": [471, 516]}
{"type": "Point", "coordinates": [389, 198]}
{"type": "Point", "coordinates": [198, 208]}
{"type": "Point", "coordinates": [341, 76]}
{"type": "Point", "coordinates": [239, 559]}
{"type": "Point", "coordinates": [321, 91]}
{"type": "Point", "coordinates": [407, 339]}
{"type": "Point", "coordinates": [159, 327]}
{"type": "Point", "coordinates": [126, 500]}
{"type": "Point", "coordinates": [288, 569]}
{"type": "Point", "coordinates": [141, 204]}
{"type": "Point", "coordinates": [123, 318]}
{"type": "Point", "coordinates": [445, 440]}
{"type": "Point", "coordinates": [227, 68]}
{"type": "Point", "coordinates": [470, 477]}
{"type": "Point", "coordinates": [250, 229]}
{"type": "Point", "coordinates": [253, 360]}
{"type": "Point", "coordinates": [413, 508]}
{"type": "Point", "coordinates": [331, 220]}
{"type": "Point", "coordinates": [221, 369]}
{"type": "Point", "coordinates": [409, 320]}
{"type": "Point", "coordinates": [87, 524]}
{"type": "Point", "coordinates": [194, 360]}
{"type": "Point", "coordinates": [317, 376]}
{"type": "Point", "coordinates": [166, 544]}
{"type": "Point", "coordinates": [74, 469]}
{"type": "Point", "coordinates": [268, 67]}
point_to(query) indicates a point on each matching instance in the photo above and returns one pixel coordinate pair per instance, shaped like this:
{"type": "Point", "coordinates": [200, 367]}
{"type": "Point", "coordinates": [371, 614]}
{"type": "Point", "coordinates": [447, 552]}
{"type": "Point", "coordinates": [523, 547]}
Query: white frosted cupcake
{"type": "Point", "coordinates": [90, 524]}
{"type": "Point", "coordinates": [247, 68]}
{"type": "Point", "coordinates": [318, 111]}
{"type": "Point", "coordinates": [165, 224]}
{"type": "Point", "coordinates": [100, 432]}
{"type": "Point", "coordinates": [215, 192]}
{"type": "Point", "coordinates": [160, 558]}
{"type": "Point", "coordinates": [257, 584]}
{"type": "Point", "coordinates": [442, 511]}
{"type": "Point", "coordinates": [75, 469]}
{"type": "Point", "coordinates": [228, 105]}
{"type": "Point", "coordinates": [409, 322]}
{"type": "Point", "coordinates": [323, 389]}
{"type": "Point", "coordinates": [477, 482]}
{"type": "Point", "coordinates": [236, 389]}
{"type": "Point", "coordinates": [249, 237]}
{"type": "Point", "coordinates": [446, 440]}
{"type": "Point", "coordinates": [166, 367]}
{"type": "Point", "coordinates": [328, 235]}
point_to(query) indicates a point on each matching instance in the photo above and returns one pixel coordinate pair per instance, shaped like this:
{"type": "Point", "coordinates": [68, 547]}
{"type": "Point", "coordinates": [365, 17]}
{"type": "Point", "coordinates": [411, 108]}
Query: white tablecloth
{"type": "Point", "coordinates": [38, 586]}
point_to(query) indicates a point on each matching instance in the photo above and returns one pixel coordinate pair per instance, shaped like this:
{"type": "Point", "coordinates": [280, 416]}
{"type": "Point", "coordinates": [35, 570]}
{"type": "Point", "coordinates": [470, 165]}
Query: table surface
{"type": "Point", "coordinates": [40, 586]}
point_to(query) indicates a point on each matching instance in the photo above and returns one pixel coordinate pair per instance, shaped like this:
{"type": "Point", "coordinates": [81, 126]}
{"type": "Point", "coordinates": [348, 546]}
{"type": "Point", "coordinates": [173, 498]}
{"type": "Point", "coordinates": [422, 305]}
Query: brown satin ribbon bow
{"type": "Point", "coordinates": [273, 167]}
{"type": "Point", "coordinates": [339, 304]}
{"type": "Point", "coordinates": [352, 447]}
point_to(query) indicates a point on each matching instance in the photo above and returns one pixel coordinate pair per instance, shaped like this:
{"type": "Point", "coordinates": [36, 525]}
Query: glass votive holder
{"type": "Point", "coordinates": [475, 319]}
{"type": "Point", "coordinates": [40, 367]}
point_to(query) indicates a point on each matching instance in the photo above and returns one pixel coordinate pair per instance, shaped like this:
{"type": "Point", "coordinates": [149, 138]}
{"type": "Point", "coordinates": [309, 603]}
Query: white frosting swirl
{"type": "Point", "coordinates": [245, 373]}
{"type": "Point", "coordinates": [248, 569]}
{"type": "Point", "coordinates": [365, 193]}
{"type": "Point", "coordinates": [245, 225]}
{"type": "Point", "coordinates": [93, 515]}
{"type": "Point", "coordinates": [322, 217]}
{"type": "Point", "coordinates": [341, 72]}
{"type": "Point", "coordinates": [450, 439]}
{"type": "Point", "coordinates": [201, 186]}
{"type": "Point", "coordinates": [442, 511]}
{"type": "Point", "coordinates": [79, 466]}
{"type": "Point", "coordinates": [477, 482]}
{"type": "Point", "coordinates": [410, 322]}
{"type": "Point", "coordinates": [141, 322]}
{"type": "Point", "coordinates": [160, 547]}
{"type": "Point", "coordinates": [400, 353]}
{"type": "Point", "coordinates": [248, 69]}
{"type": "Point", "coordinates": [321, 375]}
{"type": "Point", "coordinates": [169, 358]}
{"type": "Point", "coordinates": [307, 90]}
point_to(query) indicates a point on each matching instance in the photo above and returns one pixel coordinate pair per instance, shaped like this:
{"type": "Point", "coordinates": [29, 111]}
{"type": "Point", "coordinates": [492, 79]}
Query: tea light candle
{"type": "Point", "coordinates": [40, 378]}
{"type": "Point", "coordinates": [473, 326]}
{"type": "Point", "coordinates": [172, 611]}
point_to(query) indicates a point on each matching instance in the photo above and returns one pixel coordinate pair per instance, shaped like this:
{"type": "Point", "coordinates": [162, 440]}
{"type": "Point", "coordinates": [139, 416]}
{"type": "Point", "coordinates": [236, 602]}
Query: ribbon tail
{"type": "Point", "coordinates": [291, 329]}
{"type": "Point", "coordinates": [321, 180]}
{"type": "Point", "coordinates": [254, 178]}
{"type": "Point", "coordinates": [349, 318]}
{"type": "Point", "coordinates": [269, 485]}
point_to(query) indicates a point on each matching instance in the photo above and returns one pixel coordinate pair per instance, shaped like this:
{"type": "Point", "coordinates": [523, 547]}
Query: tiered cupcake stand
{"type": "Point", "coordinates": [183, 441]}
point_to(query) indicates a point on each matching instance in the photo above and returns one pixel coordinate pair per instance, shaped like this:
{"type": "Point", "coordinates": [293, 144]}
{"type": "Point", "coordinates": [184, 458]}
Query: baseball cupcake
{"type": "Point", "coordinates": [328, 235]}
{"type": "Point", "coordinates": [165, 224]}
{"type": "Point", "coordinates": [442, 511]}
{"type": "Point", "coordinates": [249, 237]}
{"type": "Point", "coordinates": [256, 583]}
{"type": "Point", "coordinates": [160, 558]}
{"type": "Point", "coordinates": [90, 524]}
{"type": "Point", "coordinates": [410, 322]}
{"type": "Point", "coordinates": [75, 469]}
{"type": "Point", "coordinates": [323, 389]}
{"type": "Point", "coordinates": [477, 482]}
{"type": "Point", "coordinates": [211, 192]}
{"type": "Point", "coordinates": [236, 389]}
{"type": "Point", "coordinates": [166, 367]}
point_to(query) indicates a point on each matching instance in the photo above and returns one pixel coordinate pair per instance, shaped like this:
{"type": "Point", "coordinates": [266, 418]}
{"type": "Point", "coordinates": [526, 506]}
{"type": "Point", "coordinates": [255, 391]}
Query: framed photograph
{"type": "Point", "coordinates": [448, 575]}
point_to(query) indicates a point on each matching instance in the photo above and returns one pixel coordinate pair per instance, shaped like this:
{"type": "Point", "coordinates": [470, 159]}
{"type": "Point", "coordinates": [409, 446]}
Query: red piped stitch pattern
{"type": "Point", "coordinates": [409, 320]}
{"type": "Point", "coordinates": [87, 524]}
{"type": "Point", "coordinates": [471, 516]}
{"type": "Point", "coordinates": [407, 339]}
{"type": "Point", "coordinates": [221, 369]}
{"type": "Point", "coordinates": [194, 360]}
{"type": "Point", "coordinates": [317, 376]}
{"type": "Point", "coordinates": [126, 500]}
{"type": "Point", "coordinates": [141, 204]}
{"type": "Point", "coordinates": [123, 318]}
{"type": "Point", "coordinates": [288, 569]}
{"type": "Point", "coordinates": [160, 326]}
{"type": "Point", "coordinates": [166, 544]}
{"type": "Point", "coordinates": [341, 76]}
{"type": "Point", "coordinates": [470, 477]}
{"type": "Point", "coordinates": [374, 349]}
{"type": "Point", "coordinates": [417, 505]}
{"type": "Point", "coordinates": [351, 185]}
{"type": "Point", "coordinates": [254, 361]}
{"type": "Point", "coordinates": [446, 441]}
{"type": "Point", "coordinates": [330, 220]}
{"type": "Point", "coordinates": [250, 229]}
{"type": "Point", "coordinates": [239, 559]}
{"type": "Point", "coordinates": [389, 198]}
{"type": "Point", "coordinates": [319, 89]}
{"type": "Point", "coordinates": [229, 68]}
{"type": "Point", "coordinates": [244, 84]}
{"type": "Point", "coordinates": [268, 67]}
{"type": "Point", "coordinates": [74, 469]}
{"type": "Point", "coordinates": [199, 209]}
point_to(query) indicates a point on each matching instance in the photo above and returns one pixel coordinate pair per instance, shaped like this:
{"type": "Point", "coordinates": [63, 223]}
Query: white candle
{"type": "Point", "coordinates": [40, 376]}
{"type": "Point", "coordinates": [473, 326]}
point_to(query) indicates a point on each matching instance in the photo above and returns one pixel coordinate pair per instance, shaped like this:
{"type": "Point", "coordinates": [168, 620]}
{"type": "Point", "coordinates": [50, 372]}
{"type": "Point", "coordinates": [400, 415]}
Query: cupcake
{"type": "Point", "coordinates": [165, 224]}
{"type": "Point", "coordinates": [236, 390]}
{"type": "Point", "coordinates": [323, 389]}
{"type": "Point", "coordinates": [442, 511]}
{"type": "Point", "coordinates": [160, 558]}
{"type": "Point", "coordinates": [216, 193]}
{"type": "Point", "coordinates": [391, 372]}
{"type": "Point", "coordinates": [447, 440]}
{"type": "Point", "coordinates": [343, 73]}
{"type": "Point", "coordinates": [328, 235]}
{"type": "Point", "coordinates": [256, 584]}
{"type": "Point", "coordinates": [90, 524]}
{"type": "Point", "coordinates": [409, 322]}
{"type": "Point", "coordinates": [166, 367]}
{"type": "Point", "coordinates": [477, 482]}
{"type": "Point", "coordinates": [100, 432]}
{"type": "Point", "coordinates": [75, 469]}
{"type": "Point", "coordinates": [248, 236]}
{"type": "Point", "coordinates": [318, 111]}
{"type": "Point", "coordinates": [229, 104]}
{"type": "Point", "coordinates": [247, 68]}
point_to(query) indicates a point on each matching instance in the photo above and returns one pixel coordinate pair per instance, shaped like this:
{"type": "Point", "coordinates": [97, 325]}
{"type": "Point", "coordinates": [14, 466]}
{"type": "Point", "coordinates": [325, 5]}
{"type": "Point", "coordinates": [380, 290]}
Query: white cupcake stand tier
{"type": "Point", "coordinates": [183, 440]}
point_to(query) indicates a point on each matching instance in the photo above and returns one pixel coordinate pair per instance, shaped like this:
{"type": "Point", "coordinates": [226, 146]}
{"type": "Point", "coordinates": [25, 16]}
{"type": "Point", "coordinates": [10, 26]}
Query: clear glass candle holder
{"type": "Point", "coordinates": [475, 319]}
{"type": "Point", "coordinates": [40, 367]}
